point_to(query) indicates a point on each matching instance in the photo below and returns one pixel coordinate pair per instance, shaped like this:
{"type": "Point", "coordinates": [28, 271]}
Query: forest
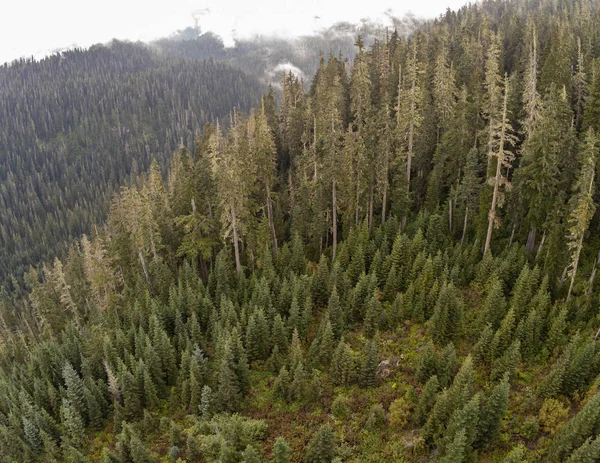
{"type": "Point", "coordinates": [78, 125]}
{"type": "Point", "coordinates": [393, 262]}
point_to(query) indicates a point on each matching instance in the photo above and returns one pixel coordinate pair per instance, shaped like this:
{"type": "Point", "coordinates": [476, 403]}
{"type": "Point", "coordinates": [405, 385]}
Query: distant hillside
{"type": "Point", "coordinates": [76, 125]}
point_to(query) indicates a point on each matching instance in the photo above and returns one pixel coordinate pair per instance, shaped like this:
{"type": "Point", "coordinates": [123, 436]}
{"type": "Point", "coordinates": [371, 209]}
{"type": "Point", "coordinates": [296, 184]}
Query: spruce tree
{"type": "Point", "coordinates": [492, 412]}
{"type": "Point", "coordinates": [281, 451]}
{"type": "Point", "coordinates": [321, 448]}
{"type": "Point", "coordinates": [584, 207]}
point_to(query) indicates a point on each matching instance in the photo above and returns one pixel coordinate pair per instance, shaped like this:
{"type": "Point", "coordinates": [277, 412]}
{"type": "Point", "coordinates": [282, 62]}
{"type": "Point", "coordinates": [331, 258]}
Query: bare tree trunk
{"type": "Point", "coordinates": [238, 264]}
{"type": "Point", "coordinates": [562, 278]}
{"type": "Point", "coordinates": [575, 265]}
{"type": "Point", "coordinates": [492, 212]}
{"type": "Point", "coordinates": [334, 221]}
{"type": "Point", "coordinates": [537, 254]}
{"type": "Point", "coordinates": [531, 240]}
{"type": "Point", "coordinates": [464, 233]}
{"type": "Point", "coordinates": [512, 235]}
{"type": "Point", "coordinates": [271, 222]}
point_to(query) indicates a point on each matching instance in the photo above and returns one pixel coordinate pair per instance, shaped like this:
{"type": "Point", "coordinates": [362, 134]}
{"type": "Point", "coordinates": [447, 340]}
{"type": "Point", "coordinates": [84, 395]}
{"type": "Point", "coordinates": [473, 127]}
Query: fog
{"type": "Point", "coordinates": [37, 27]}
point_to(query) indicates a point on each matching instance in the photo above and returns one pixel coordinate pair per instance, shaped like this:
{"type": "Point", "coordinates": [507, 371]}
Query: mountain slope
{"type": "Point", "coordinates": [76, 126]}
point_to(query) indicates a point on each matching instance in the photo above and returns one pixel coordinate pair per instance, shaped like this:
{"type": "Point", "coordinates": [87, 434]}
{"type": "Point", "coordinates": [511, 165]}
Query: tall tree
{"type": "Point", "coordinates": [584, 206]}
{"type": "Point", "coordinates": [501, 139]}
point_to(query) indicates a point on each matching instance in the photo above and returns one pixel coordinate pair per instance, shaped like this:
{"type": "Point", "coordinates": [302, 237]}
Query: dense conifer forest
{"type": "Point", "coordinates": [395, 262]}
{"type": "Point", "coordinates": [79, 124]}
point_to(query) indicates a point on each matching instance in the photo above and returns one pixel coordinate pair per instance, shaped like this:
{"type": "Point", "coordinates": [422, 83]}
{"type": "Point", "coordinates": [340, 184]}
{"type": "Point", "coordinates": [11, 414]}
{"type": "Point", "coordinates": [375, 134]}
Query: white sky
{"type": "Point", "coordinates": [35, 27]}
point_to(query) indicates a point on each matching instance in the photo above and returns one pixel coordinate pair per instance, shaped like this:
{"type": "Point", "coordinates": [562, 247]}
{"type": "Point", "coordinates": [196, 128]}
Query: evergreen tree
{"type": "Point", "coordinates": [492, 412]}
{"type": "Point", "coordinates": [584, 207]}
{"type": "Point", "coordinates": [321, 448]}
{"type": "Point", "coordinates": [281, 451]}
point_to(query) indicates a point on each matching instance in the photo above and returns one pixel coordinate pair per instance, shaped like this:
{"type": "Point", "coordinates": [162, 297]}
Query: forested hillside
{"type": "Point", "coordinates": [397, 264]}
{"type": "Point", "coordinates": [77, 125]}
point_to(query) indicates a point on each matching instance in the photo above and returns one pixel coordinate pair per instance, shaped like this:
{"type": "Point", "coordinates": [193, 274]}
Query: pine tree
{"type": "Point", "coordinates": [446, 323]}
{"type": "Point", "coordinates": [336, 315]}
{"type": "Point", "coordinates": [263, 154]}
{"type": "Point", "coordinates": [75, 390]}
{"type": "Point", "coordinates": [507, 363]}
{"type": "Point", "coordinates": [493, 412]}
{"type": "Point", "coordinates": [373, 316]}
{"type": "Point", "coordinates": [73, 426]}
{"type": "Point", "coordinates": [299, 386]}
{"type": "Point", "coordinates": [587, 453]}
{"type": "Point", "coordinates": [228, 392]}
{"type": "Point", "coordinates": [321, 448]}
{"type": "Point", "coordinates": [206, 402]}
{"type": "Point", "coordinates": [233, 175]}
{"type": "Point", "coordinates": [574, 434]}
{"type": "Point", "coordinates": [251, 455]}
{"type": "Point", "coordinates": [501, 138]}
{"type": "Point", "coordinates": [427, 400]}
{"type": "Point", "coordinates": [463, 420]}
{"type": "Point", "coordinates": [456, 452]}
{"type": "Point", "coordinates": [343, 365]}
{"type": "Point", "coordinates": [281, 451]}
{"type": "Point", "coordinates": [368, 373]}
{"type": "Point", "coordinates": [408, 109]}
{"type": "Point", "coordinates": [281, 387]}
{"type": "Point", "coordinates": [584, 208]}
{"type": "Point", "coordinates": [516, 455]}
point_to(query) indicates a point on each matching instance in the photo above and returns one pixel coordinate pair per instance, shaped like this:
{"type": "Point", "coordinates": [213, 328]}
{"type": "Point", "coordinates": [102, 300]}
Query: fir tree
{"type": "Point", "coordinates": [584, 207]}
{"type": "Point", "coordinates": [492, 412]}
{"type": "Point", "coordinates": [321, 448]}
{"type": "Point", "coordinates": [281, 451]}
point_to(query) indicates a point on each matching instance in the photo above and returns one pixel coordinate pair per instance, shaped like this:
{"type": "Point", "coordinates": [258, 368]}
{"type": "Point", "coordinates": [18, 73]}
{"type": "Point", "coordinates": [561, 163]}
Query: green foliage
{"type": "Point", "coordinates": [322, 448]}
{"type": "Point", "coordinates": [427, 400]}
{"type": "Point", "coordinates": [376, 417]}
{"type": "Point", "coordinates": [281, 451]}
{"type": "Point", "coordinates": [493, 411]}
{"type": "Point", "coordinates": [353, 214]}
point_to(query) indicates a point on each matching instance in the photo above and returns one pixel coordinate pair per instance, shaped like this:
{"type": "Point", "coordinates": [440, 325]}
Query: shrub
{"type": "Point", "coordinates": [553, 415]}
{"type": "Point", "coordinates": [529, 429]}
{"type": "Point", "coordinates": [376, 417]}
{"type": "Point", "coordinates": [341, 406]}
{"type": "Point", "coordinates": [399, 412]}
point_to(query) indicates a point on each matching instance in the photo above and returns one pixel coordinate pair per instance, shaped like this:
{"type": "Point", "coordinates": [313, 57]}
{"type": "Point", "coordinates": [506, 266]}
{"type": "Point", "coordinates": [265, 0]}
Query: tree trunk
{"type": "Point", "coordinates": [334, 221]}
{"type": "Point", "coordinates": [271, 221]}
{"type": "Point", "coordinates": [531, 240]}
{"type": "Point", "coordinates": [575, 265]}
{"type": "Point", "coordinates": [562, 278]}
{"type": "Point", "coordinates": [492, 213]}
{"type": "Point", "coordinates": [462, 239]}
{"type": "Point", "coordinates": [512, 235]}
{"type": "Point", "coordinates": [238, 265]}
{"type": "Point", "coordinates": [537, 254]}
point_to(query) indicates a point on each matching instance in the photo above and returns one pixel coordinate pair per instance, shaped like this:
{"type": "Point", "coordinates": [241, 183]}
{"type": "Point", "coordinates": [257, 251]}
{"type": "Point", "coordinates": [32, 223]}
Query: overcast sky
{"type": "Point", "coordinates": [34, 27]}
